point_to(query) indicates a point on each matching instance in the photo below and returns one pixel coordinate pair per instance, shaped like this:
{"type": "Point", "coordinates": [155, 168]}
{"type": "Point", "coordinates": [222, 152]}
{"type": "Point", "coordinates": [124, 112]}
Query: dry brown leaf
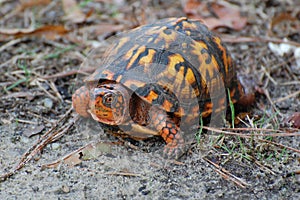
{"type": "Point", "coordinates": [49, 32]}
{"type": "Point", "coordinates": [73, 12]}
{"type": "Point", "coordinates": [230, 16]}
{"type": "Point", "coordinates": [33, 130]}
{"type": "Point", "coordinates": [31, 3]}
{"type": "Point", "coordinates": [84, 153]}
{"type": "Point", "coordinates": [100, 29]}
{"type": "Point", "coordinates": [196, 9]}
{"type": "Point", "coordinates": [295, 120]}
{"type": "Point", "coordinates": [279, 19]}
{"type": "Point", "coordinates": [282, 17]}
{"type": "Point", "coordinates": [216, 15]}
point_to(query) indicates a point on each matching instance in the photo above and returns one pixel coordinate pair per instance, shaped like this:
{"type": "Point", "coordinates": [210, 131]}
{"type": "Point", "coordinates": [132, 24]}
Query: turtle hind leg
{"type": "Point", "coordinates": [175, 146]}
{"type": "Point", "coordinates": [169, 130]}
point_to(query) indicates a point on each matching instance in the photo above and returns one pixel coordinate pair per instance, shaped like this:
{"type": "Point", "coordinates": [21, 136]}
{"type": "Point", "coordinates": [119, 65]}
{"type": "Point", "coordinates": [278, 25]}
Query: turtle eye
{"type": "Point", "coordinates": [108, 99]}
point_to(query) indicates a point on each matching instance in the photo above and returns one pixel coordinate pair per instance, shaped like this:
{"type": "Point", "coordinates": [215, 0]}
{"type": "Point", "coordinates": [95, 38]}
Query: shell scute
{"type": "Point", "coordinates": [180, 56]}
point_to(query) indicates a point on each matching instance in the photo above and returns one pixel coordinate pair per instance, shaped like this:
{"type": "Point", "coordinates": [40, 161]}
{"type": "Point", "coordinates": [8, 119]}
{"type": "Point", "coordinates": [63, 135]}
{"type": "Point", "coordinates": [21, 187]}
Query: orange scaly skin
{"type": "Point", "coordinates": [169, 131]}
{"type": "Point", "coordinates": [80, 101]}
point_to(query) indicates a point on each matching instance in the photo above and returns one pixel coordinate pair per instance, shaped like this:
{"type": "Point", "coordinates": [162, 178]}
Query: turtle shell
{"type": "Point", "coordinates": [176, 63]}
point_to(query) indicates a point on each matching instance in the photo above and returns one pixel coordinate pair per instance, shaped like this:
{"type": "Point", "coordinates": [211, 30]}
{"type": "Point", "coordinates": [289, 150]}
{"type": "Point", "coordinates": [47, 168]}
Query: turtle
{"type": "Point", "coordinates": [161, 79]}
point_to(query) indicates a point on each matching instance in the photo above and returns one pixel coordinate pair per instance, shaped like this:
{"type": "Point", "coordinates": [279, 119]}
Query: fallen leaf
{"type": "Point", "coordinates": [295, 120]}
{"type": "Point", "coordinates": [196, 9]}
{"type": "Point", "coordinates": [33, 130]}
{"type": "Point", "coordinates": [73, 12]}
{"type": "Point", "coordinates": [100, 29]}
{"type": "Point", "coordinates": [282, 17]}
{"type": "Point", "coordinates": [230, 16]}
{"type": "Point", "coordinates": [50, 32]}
{"type": "Point", "coordinates": [87, 152]}
{"type": "Point", "coordinates": [31, 3]}
{"type": "Point", "coordinates": [216, 15]}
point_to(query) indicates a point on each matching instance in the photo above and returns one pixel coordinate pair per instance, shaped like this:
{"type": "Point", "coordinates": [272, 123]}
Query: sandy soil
{"type": "Point", "coordinates": [246, 168]}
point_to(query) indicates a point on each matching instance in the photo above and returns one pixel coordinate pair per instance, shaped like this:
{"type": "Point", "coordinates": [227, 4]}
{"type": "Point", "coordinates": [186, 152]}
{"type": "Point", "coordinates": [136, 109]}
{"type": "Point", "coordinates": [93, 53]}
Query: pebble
{"type": "Point", "coordinates": [55, 146]}
{"type": "Point", "coordinates": [65, 188]}
{"type": "Point", "coordinates": [48, 103]}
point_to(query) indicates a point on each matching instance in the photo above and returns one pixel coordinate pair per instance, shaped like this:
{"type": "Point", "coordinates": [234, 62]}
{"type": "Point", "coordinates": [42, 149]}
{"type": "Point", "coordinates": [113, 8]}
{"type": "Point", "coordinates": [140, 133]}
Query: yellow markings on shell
{"type": "Point", "coordinates": [150, 39]}
{"type": "Point", "coordinates": [178, 20]}
{"type": "Point", "coordinates": [190, 77]}
{"type": "Point", "coordinates": [189, 25]}
{"type": "Point", "coordinates": [167, 105]}
{"type": "Point", "coordinates": [225, 59]}
{"type": "Point", "coordinates": [121, 43]}
{"type": "Point", "coordinates": [129, 53]}
{"type": "Point", "coordinates": [175, 59]}
{"type": "Point", "coordinates": [151, 96]}
{"type": "Point", "coordinates": [109, 74]}
{"type": "Point", "coordinates": [183, 77]}
{"type": "Point", "coordinates": [148, 58]}
{"type": "Point", "coordinates": [136, 83]}
{"type": "Point", "coordinates": [210, 73]}
{"type": "Point", "coordinates": [135, 56]}
{"type": "Point", "coordinates": [197, 46]}
{"type": "Point", "coordinates": [171, 71]}
{"type": "Point", "coordinates": [119, 78]}
{"type": "Point", "coordinates": [203, 68]}
{"type": "Point", "coordinates": [152, 31]}
{"type": "Point", "coordinates": [207, 109]}
{"type": "Point", "coordinates": [215, 84]}
{"type": "Point", "coordinates": [167, 38]}
{"type": "Point", "coordinates": [180, 112]}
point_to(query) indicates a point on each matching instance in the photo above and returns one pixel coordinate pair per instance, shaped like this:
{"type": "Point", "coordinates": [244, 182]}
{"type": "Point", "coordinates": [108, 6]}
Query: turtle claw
{"type": "Point", "coordinates": [174, 152]}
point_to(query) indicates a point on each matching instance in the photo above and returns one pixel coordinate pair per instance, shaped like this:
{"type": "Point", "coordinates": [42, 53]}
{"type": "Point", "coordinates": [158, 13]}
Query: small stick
{"type": "Point", "coordinates": [226, 174]}
{"type": "Point", "coordinates": [47, 138]}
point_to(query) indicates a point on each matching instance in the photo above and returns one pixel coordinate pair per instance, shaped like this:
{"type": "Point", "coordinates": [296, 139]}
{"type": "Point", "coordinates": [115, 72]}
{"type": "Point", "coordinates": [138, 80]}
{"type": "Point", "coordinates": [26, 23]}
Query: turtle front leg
{"type": "Point", "coordinates": [170, 132]}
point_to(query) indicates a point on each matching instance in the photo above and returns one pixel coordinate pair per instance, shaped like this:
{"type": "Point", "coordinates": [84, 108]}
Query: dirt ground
{"type": "Point", "coordinates": [43, 43]}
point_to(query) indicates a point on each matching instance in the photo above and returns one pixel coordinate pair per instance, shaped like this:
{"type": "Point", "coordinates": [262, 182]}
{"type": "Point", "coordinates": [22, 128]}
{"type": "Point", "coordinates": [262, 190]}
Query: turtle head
{"type": "Point", "coordinates": [109, 103]}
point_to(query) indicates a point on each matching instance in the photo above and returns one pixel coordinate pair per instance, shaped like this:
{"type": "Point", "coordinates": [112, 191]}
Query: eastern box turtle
{"type": "Point", "coordinates": [158, 79]}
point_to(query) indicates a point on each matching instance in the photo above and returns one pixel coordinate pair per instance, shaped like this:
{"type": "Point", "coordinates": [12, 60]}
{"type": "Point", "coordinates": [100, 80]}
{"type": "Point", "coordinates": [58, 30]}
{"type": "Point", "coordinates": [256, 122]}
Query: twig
{"type": "Point", "coordinates": [262, 140]}
{"type": "Point", "coordinates": [283, 134]}
{"type": "Point", "coordinates": [266, 92]}
{"type": "Point", "coordinates": [263, 167]}
{"type": "Point", "coordinates": [44, 90]}
{"type": "Point", "coordinates": [122, 174]}
{"type": "Point", "coordinates": [268, 75]}
{"type": "Point", "coordinates": [227, 175]}
{"type": "Point", "coordinates": [26, 121]}
{"type": "Point", "coordinates": [231, 39]}
{"type": "Point", "coordinates": [287, 97]}
{"type": "Point", "coordinates": [10, 43]}
{"type": "Point", "coordinates": [47, 138]}
{"type": "Point", "coordinates": [290, 83]}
